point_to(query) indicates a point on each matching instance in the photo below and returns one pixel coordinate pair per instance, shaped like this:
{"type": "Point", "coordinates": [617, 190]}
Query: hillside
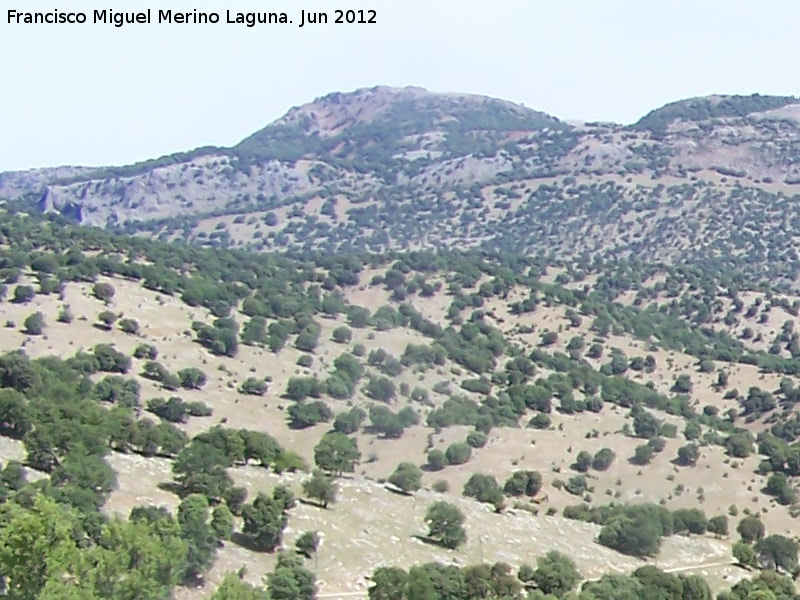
{"type": "Point", "coordinates": [648, 386]}
{"type": "Point", "coordinates": [708, 179]}
{"type": "Point", "coordinates": [384, 168]}
{"type": "Point", "coordinates": [402, 345]}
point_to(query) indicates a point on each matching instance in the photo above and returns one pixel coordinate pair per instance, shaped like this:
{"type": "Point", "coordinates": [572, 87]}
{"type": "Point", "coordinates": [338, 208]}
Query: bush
{"type": "Point", "coordinates": [307, 414]}
{"type": "Point", "coordinates": [602, 459]}
{"type": "Point", "coordinates": [342, 335]}
{"type": "Point", "coordinates": [436, 460]}
{"type": "Point", "coordinates": [192, 378]}
{"type": "Point", "coordinates": [751, 529]}
{"type": "Point", "coordinates": [688, 455]}
{"type": "Point", "coordinates": [476, 439]}
{"type": "Point", "coordinates": [642, 455]}
{"type": "Point", "coordinates": [523, 483]}
{"type": "Point", "coordinates": [458, 453]}
{"type": "Point", "coordinates": [349, 422]}
{"type": "Point", "coordinates": [107, 319]}
{"type": "Point", "coordinates": [540, 421]}
{"type": "Point", "coordinates": [441, 486]}
{"type": "Point", "coordinates": [406, 477]}
{"type": "Point", "coordinates": [484, 488]}
{"type": "Point", "coordinates": [130, 326]}
{"type": "Point", "coordinates": [380, 388]}
{"type": "Point", "coordinates": [308, 337]}
{"type": "Point", "coordinates": [34, 324]}
{"type": "Point", "coordinates": [636, 536]}
{"type": "Point", "coordinates": [23, 294]}
{"type": "Point", "coordinates": [555, 574]}
{"type": "Point", "coordinates": [65, 315]}
{"type": "Point", "coordinates": [445, 525]}
{"type": "Point", "coordinates": [145, 351]}
{"type": "Point", "coordinates": [253, 386]}
{"type": "Point", "coordinates": [103, 291]}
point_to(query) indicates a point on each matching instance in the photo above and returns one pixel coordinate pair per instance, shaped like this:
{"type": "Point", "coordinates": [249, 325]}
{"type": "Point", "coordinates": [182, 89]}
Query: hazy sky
{"type": "Point", "coordinates": [94, 94]}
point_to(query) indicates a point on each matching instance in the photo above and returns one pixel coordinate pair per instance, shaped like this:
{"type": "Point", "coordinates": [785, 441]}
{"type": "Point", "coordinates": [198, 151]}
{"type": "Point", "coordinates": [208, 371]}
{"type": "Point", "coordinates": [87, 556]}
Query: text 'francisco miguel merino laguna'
{"type": "Point", "coordinates": [195, 17]}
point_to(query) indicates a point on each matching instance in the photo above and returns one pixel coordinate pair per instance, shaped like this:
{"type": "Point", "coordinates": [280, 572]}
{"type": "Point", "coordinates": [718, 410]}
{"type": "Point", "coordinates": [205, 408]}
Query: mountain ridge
{"type": "Point", "coordinates": [401, 168]}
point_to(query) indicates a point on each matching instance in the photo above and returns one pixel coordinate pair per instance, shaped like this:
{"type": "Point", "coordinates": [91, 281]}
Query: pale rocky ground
{"type": "Point", "coordinates": [371, 526]}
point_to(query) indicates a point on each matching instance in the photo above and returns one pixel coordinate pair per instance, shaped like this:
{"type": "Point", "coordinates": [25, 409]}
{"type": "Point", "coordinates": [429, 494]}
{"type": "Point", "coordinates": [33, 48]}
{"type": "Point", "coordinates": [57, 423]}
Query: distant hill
{"type": "Point", "coordinates": [390, 169]}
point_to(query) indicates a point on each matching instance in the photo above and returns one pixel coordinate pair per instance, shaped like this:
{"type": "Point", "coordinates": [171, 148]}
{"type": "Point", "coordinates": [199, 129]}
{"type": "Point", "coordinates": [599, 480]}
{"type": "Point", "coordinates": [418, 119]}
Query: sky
{"type": "Point", "coordinates": [95, 94]}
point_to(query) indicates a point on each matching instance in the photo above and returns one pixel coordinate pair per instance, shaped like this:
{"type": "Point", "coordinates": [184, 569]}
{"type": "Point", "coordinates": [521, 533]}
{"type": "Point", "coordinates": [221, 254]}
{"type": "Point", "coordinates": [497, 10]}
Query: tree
{"type": "Point", "coordinates": [110, 360]}
{"type": "Point", "coordinates": [107, 318]}
{"type": "Point", "coordinates": [130, 326]}
{"type": "Point", "coordinates": [419, 585]}
{"type": "Point", "coordinates": [523, 483]}
{"type": "Point", "coordinates": [23, 294]}
{"type": "Point", "coordinates": [264, 522]}
{"type": "Point", "coordinates": [253, 386]}
{"type": "Point", "coordinates": [254, 332]}
{"type": "Point", "coordinates": [407, 477]}
{"type": "Point", "coordinates": [65, 315]}
{"type": "Point", "coordinates": [556, 574]}
{"type": "Point", "coordinates": [342, 335]}
{"type": "Point", "coordinates": [744, 554]}
{"type": "Point", "coordinates": [602, 459]}
{"type": "Point", "coordinates": [582, 462]}
{"type": "Point", "coordinates": [103, 291]}
{"type": "Point", "coordinates": [34, 324]}
{"type": "Point", "coordinates": [200, 469]}
{"type": "Point", "coordinates": [445, 524]}
{"type": "Point", "coordinates": [778, 552]}
{"type": "Point", "coordinates": [40, 555]}
{"type": "Point", "coordinates": [321, 488]}
{"type": "Point", "coordinates": [192, 378]}
{"type": "Point", "coordinates": [458, 453]}
{"type": "Point", "coordinates": [233, 588]}
{"type": "Point", "coordinates": [336, 453]}
{"type": "Point", "coordinates": [683, 384]}
{"type": "Point", "coordinates": [751, 529]}
{"type": "Point", "coordinates": [388, 583]}
{"type": "Point", "coordinates": [689, 520]}
{"type": "Point", "coordinates": [15, 420]}
{"type": "Point", "coordinates": [739, 445]}
{"type": "Point", "coordinates": [484, 488]}
{"type": "Point", "coordinates": [222, 522]}
{"type": "Point", "coordinates": [291, 580]}
{"type": "Point", "coordinates": [380, 388]}
{"type": "Point", "coordinates": [197, 532]}
{"type": "Point", "coordinates": [718, 525]}
{"type": "Point", "coordinates": [778, 485]}
{"type": "Point", "coordinates": [307, 543]}
{"type": "Point", "coordinates": [637, 536]}
{"type": "Point", "coordinates": [308, 337]}
{"type": "Point", "coordinates": [688, 455]}
{"type": "Point", "coordinates": [307, 414]}
{"type": "Point", "coordinates": [385, 422]}
{"type": "Point", "coordinates": [436, 460]}
{"type": "Point", "coordinates": [645, 425]}
{"type": "Point", "coordinates": [350, 421]}
{"type": "Point", "coordinates": [642, 455]}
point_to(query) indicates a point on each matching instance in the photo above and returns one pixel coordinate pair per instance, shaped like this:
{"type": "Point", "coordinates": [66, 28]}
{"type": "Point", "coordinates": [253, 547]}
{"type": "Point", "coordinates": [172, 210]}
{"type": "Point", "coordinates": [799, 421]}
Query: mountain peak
{"type": "Point", "coordinates": [714, 106]}
{"type": "Point", "coordinates": [378, 124]}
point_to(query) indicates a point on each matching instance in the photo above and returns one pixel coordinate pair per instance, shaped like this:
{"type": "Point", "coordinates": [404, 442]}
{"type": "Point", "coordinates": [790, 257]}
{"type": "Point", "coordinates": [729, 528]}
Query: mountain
{"type": "Point", "coordinates": [389, 169]}
{"type": "Point", "coordinates": [567, 369]}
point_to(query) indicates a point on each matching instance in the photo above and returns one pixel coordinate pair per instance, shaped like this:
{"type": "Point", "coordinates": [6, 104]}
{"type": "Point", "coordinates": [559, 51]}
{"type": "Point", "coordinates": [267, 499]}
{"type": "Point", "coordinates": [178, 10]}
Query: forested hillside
{"type": "Point", "coordinates": [400, 345]}
{"type": "Point", "coordinates": [711, 180]}
{"type": "Point", "coordinates": [190, 422]}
